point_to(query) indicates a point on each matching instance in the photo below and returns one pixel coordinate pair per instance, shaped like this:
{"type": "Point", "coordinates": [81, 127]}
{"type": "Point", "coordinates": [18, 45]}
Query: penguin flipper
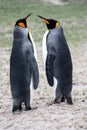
{"type": "Point", "coordinates": [49, 68]}
{"type": "Point", "coordinates": [34, 70]}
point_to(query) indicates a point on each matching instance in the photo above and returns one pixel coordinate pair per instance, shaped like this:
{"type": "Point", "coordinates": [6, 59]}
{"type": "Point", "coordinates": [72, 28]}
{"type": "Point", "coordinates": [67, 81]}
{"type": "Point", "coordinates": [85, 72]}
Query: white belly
{"type": "Point", "coordinates": [55, 86]}
{"type": "Point", "coordinates": [44, 53]}
{"type": "Point", "coordinates": [44, 47]}
{"type": "Point", "coordinates": [31, 92]}
{"type": "Point", "coordinates": [34, 47]}
{"type": "Point", "coordinates": [31, 84]}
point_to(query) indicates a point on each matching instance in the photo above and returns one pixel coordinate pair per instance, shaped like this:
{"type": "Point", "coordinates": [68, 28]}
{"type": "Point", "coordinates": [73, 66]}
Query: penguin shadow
{"type": "Point", "coordinates": [23, 109]}
{"type": "Point", "coordinates": [62, 100]}
{"type": "Point", "coordinates": [50, 103]}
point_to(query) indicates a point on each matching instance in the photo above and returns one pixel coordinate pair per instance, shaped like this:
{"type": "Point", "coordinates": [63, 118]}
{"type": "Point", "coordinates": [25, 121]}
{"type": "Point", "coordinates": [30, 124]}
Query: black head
{"type": "Point", "coordinates": [22, 22]}
{"type": "Point", "coordinates": [51, 23]}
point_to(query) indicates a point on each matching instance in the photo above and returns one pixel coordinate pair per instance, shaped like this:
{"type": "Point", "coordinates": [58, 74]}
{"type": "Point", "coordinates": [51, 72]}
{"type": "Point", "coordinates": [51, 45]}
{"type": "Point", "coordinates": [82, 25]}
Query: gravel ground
{"type": "Point", "coordinates": [45, 116]}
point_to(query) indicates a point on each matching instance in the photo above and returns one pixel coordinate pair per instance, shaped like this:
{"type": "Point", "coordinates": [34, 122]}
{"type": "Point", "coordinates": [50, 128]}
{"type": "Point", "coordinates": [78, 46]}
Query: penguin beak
{"type": "Point", "coordinates": [44, 19]}
{"type": "Point", "coordinates": [27, 16]}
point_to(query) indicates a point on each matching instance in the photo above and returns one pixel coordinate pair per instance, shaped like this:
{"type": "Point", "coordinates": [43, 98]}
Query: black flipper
{"type": "Point", "coordinates": [50, 68]}
{"type": "Point", "coordinates": [34, 69]}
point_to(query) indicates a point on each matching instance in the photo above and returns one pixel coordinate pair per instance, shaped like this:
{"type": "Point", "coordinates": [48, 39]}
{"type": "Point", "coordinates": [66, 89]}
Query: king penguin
{"type": "Point", "coordinates": [57, 61]}
{"type": "Point", "coordinates": [23, 66]}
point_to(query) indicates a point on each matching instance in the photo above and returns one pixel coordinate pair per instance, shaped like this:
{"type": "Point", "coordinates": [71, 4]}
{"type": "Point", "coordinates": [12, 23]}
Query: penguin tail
{"type": "Point", "coordinates": [50, 68]}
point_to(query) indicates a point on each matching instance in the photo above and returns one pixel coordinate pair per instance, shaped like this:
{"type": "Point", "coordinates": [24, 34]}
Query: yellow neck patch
{"type": "Point", "coordinates": [57, 24]}
{"type": "Point", "coordinates": [21, 25]}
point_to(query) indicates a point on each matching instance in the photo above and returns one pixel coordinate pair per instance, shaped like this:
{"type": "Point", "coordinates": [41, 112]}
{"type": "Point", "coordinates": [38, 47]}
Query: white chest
{"type": "Point", "coordinates": [35, 54]}
{"type": "Point", "coordinates": [44, 47]}
{"type": "Point", "coordinates": [44, 53]}
{"type": "Point", "coordinates": [34, 47]}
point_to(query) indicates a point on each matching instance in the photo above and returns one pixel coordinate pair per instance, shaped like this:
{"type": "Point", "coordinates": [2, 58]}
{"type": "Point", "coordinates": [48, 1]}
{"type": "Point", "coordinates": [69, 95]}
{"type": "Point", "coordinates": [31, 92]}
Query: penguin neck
{"type": "Point", "coordinates": [53, 28]}
{"type": "Point", "coordinates": [20, 33]}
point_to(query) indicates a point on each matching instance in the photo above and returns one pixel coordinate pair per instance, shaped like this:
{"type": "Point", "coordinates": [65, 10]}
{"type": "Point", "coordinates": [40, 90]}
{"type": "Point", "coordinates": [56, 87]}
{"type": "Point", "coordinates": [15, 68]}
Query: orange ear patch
{"type": "Point", "coordinates": [57, 24]}
{"type": "Point", "coordinates": [21, 25]}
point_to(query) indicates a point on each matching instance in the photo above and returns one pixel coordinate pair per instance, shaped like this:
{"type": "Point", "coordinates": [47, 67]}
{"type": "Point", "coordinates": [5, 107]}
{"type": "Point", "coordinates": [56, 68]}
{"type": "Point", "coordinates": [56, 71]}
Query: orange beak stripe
{"type": "Point", "coordinates": [45, 21]}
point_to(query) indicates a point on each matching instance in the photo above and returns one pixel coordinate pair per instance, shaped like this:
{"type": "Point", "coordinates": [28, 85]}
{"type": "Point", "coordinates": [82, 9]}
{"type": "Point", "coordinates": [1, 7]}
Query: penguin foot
{"type": "Point", "coordinates": [27, 108]}
{"type": "Point", "coordinates": [62, 99]}
{"type": "Point", "coordinates": [56, 101]}
{"type": "Point", "coordinates": [69, 100]}
{"type": "Point", "coordinates": [15, 108]}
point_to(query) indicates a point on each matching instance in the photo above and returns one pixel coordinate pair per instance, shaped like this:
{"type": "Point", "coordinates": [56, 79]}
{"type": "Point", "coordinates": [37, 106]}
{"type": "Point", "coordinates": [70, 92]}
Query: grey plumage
{"type": "Point", "coordinates": [59, 64]}
{"type": "Point", "coordinates": [57, 60]}
{"type": "Point", "coordinates": [23, 67]}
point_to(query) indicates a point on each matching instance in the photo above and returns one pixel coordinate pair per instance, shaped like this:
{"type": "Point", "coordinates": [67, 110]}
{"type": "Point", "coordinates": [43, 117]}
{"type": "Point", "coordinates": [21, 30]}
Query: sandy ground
{"type": "Point", "coordinates": [45, 116]}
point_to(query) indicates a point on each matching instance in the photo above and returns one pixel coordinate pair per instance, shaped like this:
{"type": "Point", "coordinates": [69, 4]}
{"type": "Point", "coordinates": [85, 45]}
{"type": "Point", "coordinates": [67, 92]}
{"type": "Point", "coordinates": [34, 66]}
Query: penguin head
{"type": "Point", "coordinates": [22, 22]}
{"type": "Point", "coordinates": [50, 23]}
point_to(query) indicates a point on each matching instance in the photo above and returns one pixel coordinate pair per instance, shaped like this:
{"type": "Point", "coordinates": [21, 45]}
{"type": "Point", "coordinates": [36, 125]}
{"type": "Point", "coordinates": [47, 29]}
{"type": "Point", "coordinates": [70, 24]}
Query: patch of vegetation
{"type": "Point", "coordinates": [73, 18]}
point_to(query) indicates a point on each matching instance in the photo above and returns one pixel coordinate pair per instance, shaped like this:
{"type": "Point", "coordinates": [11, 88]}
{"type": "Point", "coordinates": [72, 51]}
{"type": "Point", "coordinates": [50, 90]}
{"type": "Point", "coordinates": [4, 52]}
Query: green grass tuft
{"type": "Point", "coordinates": [73, 18]}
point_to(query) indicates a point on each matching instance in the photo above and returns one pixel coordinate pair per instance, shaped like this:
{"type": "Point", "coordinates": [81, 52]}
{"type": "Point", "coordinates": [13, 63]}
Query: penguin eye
{"type": "Point", "coordinates": [57, 24]}
{"type": "Point", "coordinates": [21, 25]}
